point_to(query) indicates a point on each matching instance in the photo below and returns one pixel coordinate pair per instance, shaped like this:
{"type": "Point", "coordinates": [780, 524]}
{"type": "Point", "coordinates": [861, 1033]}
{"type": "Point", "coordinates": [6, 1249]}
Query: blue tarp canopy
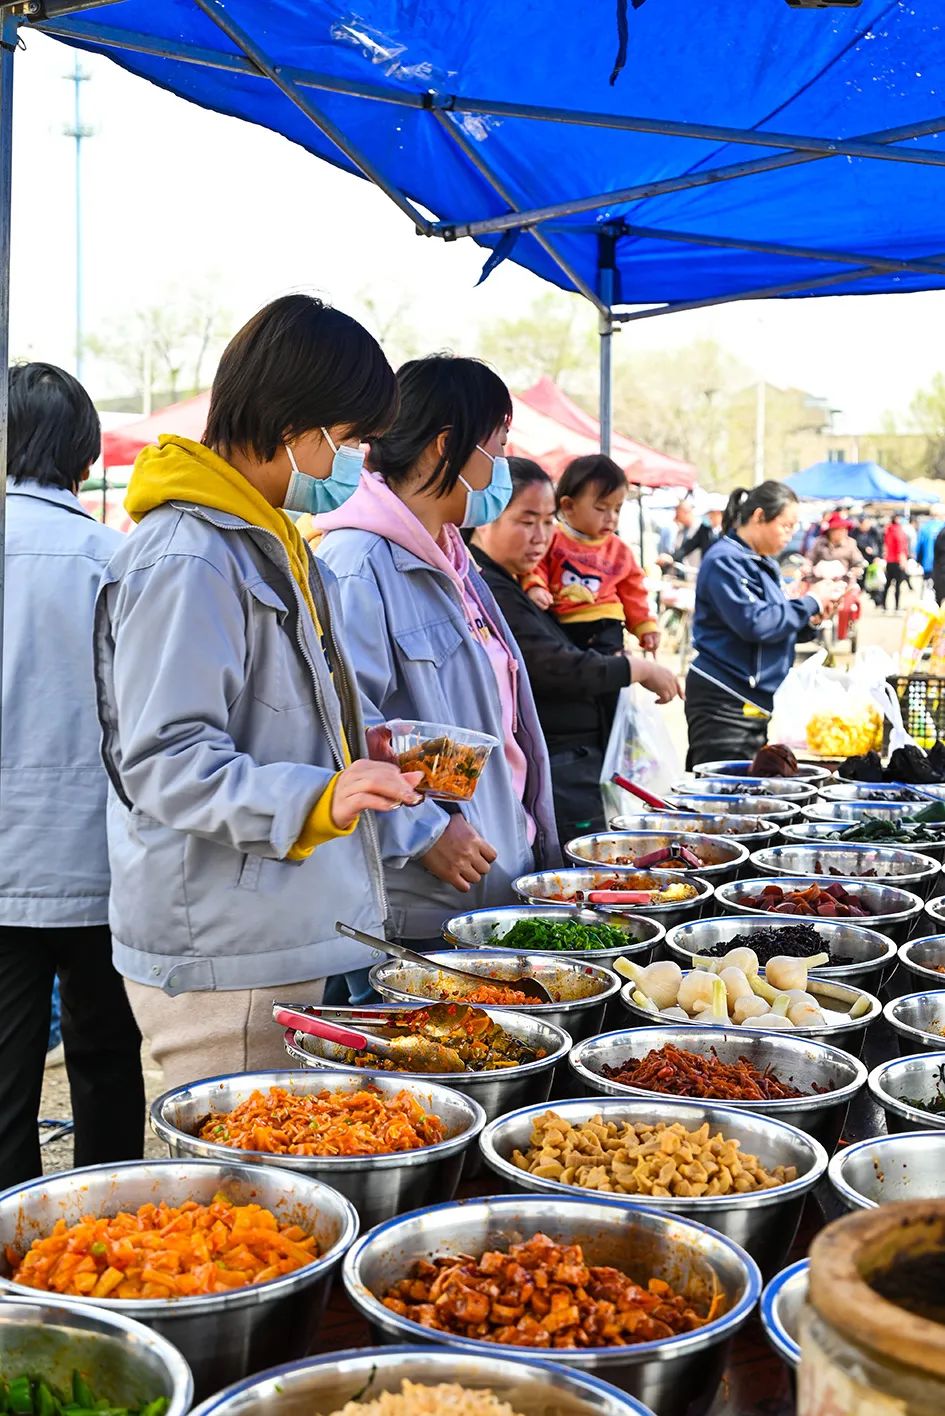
{"type": "Point", "coordinates": [860, 481]}
{"type": "Point", "coordinates": [677, 152]}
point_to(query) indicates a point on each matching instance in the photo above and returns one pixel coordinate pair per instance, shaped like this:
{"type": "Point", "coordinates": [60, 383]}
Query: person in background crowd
{"type": "Point", "coordinates": [836, 544]}
{"type": "Point", "coordinates": [588, 577]}
{"type": "Point", "coordinates": [54, 875]}
{"type": "Point", "coordinates": [706, 533]}
{"type": "Point", "coordinates": [429, 643]}
{"type": "Point", "coordinates": [895, 554]}
{"type": "Point", "coordinates": [572, 686]}
{"type": "Point", "coordinates": [938, 567]}
{"type": "Point", "coordinates": [868, 539]}
{"type": "Point", "coordinates": [672, 536]}
{"type": "Point", "coordinates": [925, 542]}
{"type": "Point", "coordinates": [242, 818]}
{"type": "Point", "coordinates": [745, 628]}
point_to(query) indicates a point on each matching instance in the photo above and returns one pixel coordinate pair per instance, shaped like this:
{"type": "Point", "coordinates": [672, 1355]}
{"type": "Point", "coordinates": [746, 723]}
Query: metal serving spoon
{"type": "Point", "coordinates": [408, 1053]}
{"type": "Point", "coordinates": [529, 986]}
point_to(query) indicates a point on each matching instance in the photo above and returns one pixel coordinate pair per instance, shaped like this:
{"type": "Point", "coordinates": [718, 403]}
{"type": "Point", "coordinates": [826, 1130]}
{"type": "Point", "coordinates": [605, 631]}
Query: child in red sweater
{"type": "Point", "coordinates": [588, 577]}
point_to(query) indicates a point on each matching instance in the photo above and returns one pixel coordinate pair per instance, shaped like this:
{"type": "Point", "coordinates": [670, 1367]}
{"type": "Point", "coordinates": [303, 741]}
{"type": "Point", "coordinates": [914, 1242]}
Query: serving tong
{"type": "Point", "coordinates": [408, 1051]}
{"type": "Point", "coordinates": [529, 986]}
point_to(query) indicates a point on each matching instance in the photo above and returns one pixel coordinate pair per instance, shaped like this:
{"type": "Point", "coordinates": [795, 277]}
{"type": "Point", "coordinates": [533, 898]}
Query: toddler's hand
{"type": "Point", "coordinates": [650, 641]}
{"type": "Point", "coordinates": [541, 597]}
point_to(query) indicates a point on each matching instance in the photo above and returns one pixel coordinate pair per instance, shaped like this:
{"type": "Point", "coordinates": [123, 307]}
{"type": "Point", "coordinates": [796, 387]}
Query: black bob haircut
{"type": "Point", "coordinates": [298, 365]}
{"type": "Point", "coordinates": [595, 470]}
{"type": "Point", "coordinates": [54, 431]}
{"type": "Point", "coordinates": [462, 398]}
{"type": "Point", "coordinates": [526, 473]}
{"type": "Point", "coordinates": [770, 498]}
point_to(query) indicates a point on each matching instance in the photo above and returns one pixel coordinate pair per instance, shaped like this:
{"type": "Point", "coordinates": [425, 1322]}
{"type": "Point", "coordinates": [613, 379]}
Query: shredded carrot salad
{"type": "Point", "coordinates": [325, 1123]}
{"type": "Point", "coordinates": [162, 1251]}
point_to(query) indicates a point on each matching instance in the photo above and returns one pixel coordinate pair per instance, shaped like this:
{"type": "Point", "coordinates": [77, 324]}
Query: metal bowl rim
{"type": "Point", "coordinates": [835, 972]}
{"type": "Point", "coordinates": [936, 908]}
{"type": "Point", "coordinates": [386, 1160]}
{"type": "Point", "coordinates": [915, 906]}
{"type": "Point", "coordinates": [719, 1329]}
{"type": "Point", "coordinates": [698, 1204]}
{"type": "Point", "coordinates": [606, 992]}
{"type": "Point", "coordinates": [739, 855]}
{"type": "Point", "coordinates": [929, 865]}
{"type": "Point", "coordinates": [909, 1029]}
{"type": "Point", "coordinates": [855, 1198]}
{"type": "Point", "coordinates": [656, 934]}
{"type": "Point", "coordinates": [912, 965]}
{"type": "Point", "coordinates": [783, 1344]}
{"type": "Point", "coordinates": [814, 1032]}
{"type": "Point", "coordinates": [875, 1082]}
{"type": "Point", "coordinates": [249, 1296]}
{"type": "Point", "coordinates": [222, 1398]}
{"type": "Point", "coordinates": [812, 1102]}
{"type": "Point", "coordinates": [120, 1324]}
{"type": "Point", "coordinates": [704, 889]}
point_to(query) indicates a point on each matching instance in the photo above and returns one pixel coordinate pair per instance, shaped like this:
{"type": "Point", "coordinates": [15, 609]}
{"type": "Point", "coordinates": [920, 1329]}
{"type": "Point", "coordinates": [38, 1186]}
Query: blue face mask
{"type": "Point", "coordinates": [488, 503]}
{"type": "Point", "coordinates": [320, 494]}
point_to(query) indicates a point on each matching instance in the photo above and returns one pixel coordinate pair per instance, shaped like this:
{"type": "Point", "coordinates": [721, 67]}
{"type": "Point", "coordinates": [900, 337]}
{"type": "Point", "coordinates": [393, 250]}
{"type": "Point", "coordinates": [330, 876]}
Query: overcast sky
{"type": "Point", "coordinates": [175, 197]}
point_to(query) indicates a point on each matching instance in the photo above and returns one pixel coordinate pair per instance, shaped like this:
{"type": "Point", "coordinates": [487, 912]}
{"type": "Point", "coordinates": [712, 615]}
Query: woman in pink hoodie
{"type": "Point", "coordinates": [428, 641]}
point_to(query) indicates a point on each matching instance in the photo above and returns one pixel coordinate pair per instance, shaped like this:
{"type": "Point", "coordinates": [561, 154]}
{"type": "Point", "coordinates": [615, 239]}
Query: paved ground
{"type": "Point", "coordinates": [882, 629]}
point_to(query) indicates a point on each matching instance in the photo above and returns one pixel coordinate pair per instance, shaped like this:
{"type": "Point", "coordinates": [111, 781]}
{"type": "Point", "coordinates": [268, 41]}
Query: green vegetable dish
{"type": "Point", "coordinates": [29, 1395]}
{"type": "Point", "coordinates": [906, 831]}
{"type": "Point", "coordinates": [566, 935]}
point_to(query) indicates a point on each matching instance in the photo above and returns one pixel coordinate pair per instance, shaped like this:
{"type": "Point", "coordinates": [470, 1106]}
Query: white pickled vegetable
{"type": "Point", "coordinates": [784, 972]}
{"type": "Point", "coordinates": [770, 1022]}
{"type": "Point", "coordinates": [802, 1015]}
{"type": "Point", "coordinates": [750, 1007]}
{"type": "Point", "coordinates": [696, 985]}
{"type": "Point", "coordinates": [741, 958]}
{"type": "Point", "coordinates": [659, 981]}
{"type": "Point", "coordinates": [736, 984]}
{"type": "Point", "coordinates": [675, 1014]}
{"type": "Point", "coordinates": [717, 1012]}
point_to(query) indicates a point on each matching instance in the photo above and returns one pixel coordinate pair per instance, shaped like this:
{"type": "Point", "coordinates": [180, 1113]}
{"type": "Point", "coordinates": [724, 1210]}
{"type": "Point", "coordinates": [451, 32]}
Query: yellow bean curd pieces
{"type": "Point", "coordinates": [624, 1158]}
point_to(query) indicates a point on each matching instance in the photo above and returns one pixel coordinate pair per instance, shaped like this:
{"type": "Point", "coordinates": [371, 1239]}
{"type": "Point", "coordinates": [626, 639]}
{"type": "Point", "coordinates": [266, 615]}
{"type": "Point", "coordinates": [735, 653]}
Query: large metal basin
{"type": "Point", "coordinates": [829, 831]}
{"type": "Point", "coordinates": [764, 1222]}
{"type": "Point", "coordinates": [752, 831]}
{"type": "Point", "coordinates": [484, 930]}
{"type": "Point", "coordinates": [378, 1186]}
{"type": "Point", "coordinates": [781, 1305]}
{"type": "Point", "coordinates": [873, 954]}
{"type": "Point", "coordinates": [124, 1362]}
{"type": "Point", "coordinates": [871, 791]}
{"type": "Point", "coordinates": [885, 1169]}
{"type": "Point", "coordinates": [803, 1063]}
{"type": "Point", "coordinates": [779, 788]}
{"type": "Point", "coordinates": [319, 1385]}
{"type": "Point", "coordinates": [919, 1077]}
{"type": "Point", "coordinates": [226, 1335]}
{"type": "Point", "coordinates": [807, 772]}
{"type": "Point", "coordinates": [918, 1020]}
{"type": "Point", "coordinates": [891, 910]}
{"type": "Point", "coordinates": [920, 959]}
{"type": "Point", "coordinates": [581, 990]}
{"type": "Point", "coordinates": [776, 810]}
{"type": "Point", "coordinates": [892, 865]}
{"type": "Point", "coordinates": [541, 887]}
{"type": "Point", "coordinates": [676, 1377]}
{"type": "Point", "coordinates": [850, 813]}
{"type": "Point", "coordinates": [720, 858]}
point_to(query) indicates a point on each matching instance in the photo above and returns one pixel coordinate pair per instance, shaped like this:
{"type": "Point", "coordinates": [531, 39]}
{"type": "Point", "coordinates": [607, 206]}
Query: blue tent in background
{"type": "Point", "coordinates": [860, 481]}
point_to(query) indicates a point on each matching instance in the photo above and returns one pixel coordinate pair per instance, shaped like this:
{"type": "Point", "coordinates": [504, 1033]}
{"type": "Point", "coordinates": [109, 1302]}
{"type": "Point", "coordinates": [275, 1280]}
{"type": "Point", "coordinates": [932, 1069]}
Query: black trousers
{"type": "Point", "coordinates": [718, 727]}
{"type": "Point", "coordinates": [101, 1039]}
{"type": "Point", "coordinates": [895, 576]}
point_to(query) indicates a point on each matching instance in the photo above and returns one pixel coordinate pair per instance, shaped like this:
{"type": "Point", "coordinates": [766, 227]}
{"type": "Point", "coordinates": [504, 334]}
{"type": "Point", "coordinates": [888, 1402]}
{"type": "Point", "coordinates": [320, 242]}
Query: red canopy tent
{"type": "Point", "coordinates": [120, 446]}
{"type": "Point", "coordinates": [644, 466]}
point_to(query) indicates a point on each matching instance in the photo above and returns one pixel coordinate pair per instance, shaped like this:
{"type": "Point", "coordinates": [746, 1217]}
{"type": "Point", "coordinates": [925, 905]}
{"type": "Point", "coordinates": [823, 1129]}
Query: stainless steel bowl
{"type": "Point", "coordinates": [123, 1361]}
{"type": "Point", "coordinates": [764, 1222]}
{"type": "Point", "coordinates": [378, 1186]}
{"type": "Point", "coordinates": [918, 1077]}
{"type": "Point", "coordinates": [853, 813]}
{"type": "Point", "coordinates": [722, 856]}
{"type": "Point", "coordinates": [834, 999]}
{"type": "Point", "coordinates": [893, 865]}
{"type": "Point", "coordinates": [677, 1377]}
{"type": "Point", "coordinates": [751, 831]}
{"type": "Point", "coordinates": [226, 1335]}
{"type": "Point", "coordinates": [768, 808]}
{"type": "Point", "coordinates": [806, 771]}
{"type": "Point", "coordinates": [538, 888]}
{"type": "Point", "coordinates": [325, 1384]}
{"type": "Point", "coordinates": [581, 991]}
{"type": "Point", "coordinates": [799, 1061]}
{"type": "Point", "coordinates": [485, 930]}
{"type": "Point", "coordinates": [779, 788]}
{"type": "Point", "coordinates": [870, 791]}
{"type": "Point", "coordinates": [885, 1169]}
{"type": "Point", "coordinates": [828, 832]}
{"type": "Point", "coordinates": [935, 909]}
{"type": "Point", "coordinates": [919, 958]}
{"type": "Point", "coordinates": [873, 954]}
{"type": "Point", "coordinates": [496, 1092]}
{"type": "Point", "coordinates": [781, 1305]}
{"type": "Point", "coordinates": [918, 1020]}
{"type": "Point", "coordinates": [891, 910]}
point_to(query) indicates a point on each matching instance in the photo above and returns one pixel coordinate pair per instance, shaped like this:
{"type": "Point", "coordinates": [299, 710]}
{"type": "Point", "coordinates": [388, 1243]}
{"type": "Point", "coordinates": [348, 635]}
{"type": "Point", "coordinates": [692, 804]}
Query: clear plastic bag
{"type": "Point", "coordinates": [832, 713]}
{"type": "Point", "coordinates": [640, 748]}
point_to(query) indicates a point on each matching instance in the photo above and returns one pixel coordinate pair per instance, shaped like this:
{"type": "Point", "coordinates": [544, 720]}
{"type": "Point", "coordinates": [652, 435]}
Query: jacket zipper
{"type": "Point", "coordinates": [285, 568]}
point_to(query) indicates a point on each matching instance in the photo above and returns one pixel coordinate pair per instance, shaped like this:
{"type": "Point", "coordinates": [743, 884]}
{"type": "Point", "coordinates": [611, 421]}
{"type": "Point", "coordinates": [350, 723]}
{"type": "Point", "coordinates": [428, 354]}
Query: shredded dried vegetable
{"type": "Point", "coordinates": [363, 1122]}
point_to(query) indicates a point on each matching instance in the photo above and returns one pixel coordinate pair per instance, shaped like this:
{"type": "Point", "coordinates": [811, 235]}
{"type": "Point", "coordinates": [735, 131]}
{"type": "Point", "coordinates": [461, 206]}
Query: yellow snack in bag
{"type": "Point", "coordinates": [847, 734]}
{"type": "Point", "coordinates": [921, 623]}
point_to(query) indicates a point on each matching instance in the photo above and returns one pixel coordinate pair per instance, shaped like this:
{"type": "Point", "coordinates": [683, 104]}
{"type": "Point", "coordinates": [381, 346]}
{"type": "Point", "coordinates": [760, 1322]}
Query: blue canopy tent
{"type": "Point", "coordinates": [860, 481]}
{"type": "Point", "coordinates": [661, 153]}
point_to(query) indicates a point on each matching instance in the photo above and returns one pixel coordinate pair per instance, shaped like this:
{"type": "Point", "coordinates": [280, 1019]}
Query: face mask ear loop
{"type": "Point", "coordinates": [292, 462]}
{"type": "Point", "coordinates": [330, 440]}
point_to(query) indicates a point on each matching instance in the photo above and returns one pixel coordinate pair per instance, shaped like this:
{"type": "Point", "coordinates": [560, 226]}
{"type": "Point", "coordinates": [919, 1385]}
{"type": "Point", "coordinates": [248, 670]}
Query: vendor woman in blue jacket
{"type": "Point", "coordinates": [745, 626]}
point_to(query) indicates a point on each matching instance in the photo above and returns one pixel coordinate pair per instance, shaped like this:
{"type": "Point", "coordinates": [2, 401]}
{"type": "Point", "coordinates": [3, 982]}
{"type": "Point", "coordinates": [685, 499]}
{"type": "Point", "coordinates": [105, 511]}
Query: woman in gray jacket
{"type": "Point", "coordinates": [428, 640]}
{"type": "Point", "coordinates": [240, 828]}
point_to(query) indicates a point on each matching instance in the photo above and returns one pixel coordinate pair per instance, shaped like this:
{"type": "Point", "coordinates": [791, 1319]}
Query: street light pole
{"type": "Point", "coordinates": [78, 131]}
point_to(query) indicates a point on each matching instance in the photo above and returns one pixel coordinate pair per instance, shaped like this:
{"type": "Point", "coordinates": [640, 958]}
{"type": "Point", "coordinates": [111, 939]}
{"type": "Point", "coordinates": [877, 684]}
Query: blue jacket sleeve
{"type": "Point", "coordinates": [410, 831]}
{"type": "Point", "coordinates": [748, 615]}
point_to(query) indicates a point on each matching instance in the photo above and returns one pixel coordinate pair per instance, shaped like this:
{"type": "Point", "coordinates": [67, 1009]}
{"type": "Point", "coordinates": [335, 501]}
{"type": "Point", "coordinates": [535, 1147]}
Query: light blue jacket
{"type": "Point", "coordinates": [53, 853]}
{"type": "Point", "coordinates": [222, 727]}
{"type": "Point", "coordinates": [415, 657]}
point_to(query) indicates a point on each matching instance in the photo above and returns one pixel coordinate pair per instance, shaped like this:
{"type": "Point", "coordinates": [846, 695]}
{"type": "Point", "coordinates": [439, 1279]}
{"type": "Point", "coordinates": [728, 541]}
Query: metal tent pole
{"type": "Point", "coordinates": [607, 291]}
{"type": "Point", "coordinates": [8, 41]}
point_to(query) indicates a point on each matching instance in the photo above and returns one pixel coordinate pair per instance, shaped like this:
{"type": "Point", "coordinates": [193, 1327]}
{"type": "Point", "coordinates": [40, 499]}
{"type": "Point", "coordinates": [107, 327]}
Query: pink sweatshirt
{"type": "Point", "coordinates": [374, 507]}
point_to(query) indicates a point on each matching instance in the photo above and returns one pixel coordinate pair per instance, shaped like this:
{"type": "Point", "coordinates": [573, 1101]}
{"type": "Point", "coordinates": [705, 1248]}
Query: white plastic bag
{"type": "Point", "coordinates": [640, 748]}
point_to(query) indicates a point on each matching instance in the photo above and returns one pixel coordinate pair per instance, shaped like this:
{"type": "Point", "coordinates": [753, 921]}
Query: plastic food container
{"type": "Point", "coordinates": [451, 759]}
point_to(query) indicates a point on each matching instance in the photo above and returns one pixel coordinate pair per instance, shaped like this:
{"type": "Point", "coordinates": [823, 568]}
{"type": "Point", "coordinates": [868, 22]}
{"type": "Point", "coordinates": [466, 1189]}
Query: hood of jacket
{"type": "Point", "coordinates": [375, 508]}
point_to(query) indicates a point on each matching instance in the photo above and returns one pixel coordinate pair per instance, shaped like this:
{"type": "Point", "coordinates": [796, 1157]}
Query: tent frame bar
{"type": "Point", "coordinates": [9, 26]}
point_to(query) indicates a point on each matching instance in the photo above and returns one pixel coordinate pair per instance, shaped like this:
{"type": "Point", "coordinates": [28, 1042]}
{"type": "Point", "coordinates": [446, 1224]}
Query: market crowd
{"type": "Point", "coordinates": [197, 778]}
